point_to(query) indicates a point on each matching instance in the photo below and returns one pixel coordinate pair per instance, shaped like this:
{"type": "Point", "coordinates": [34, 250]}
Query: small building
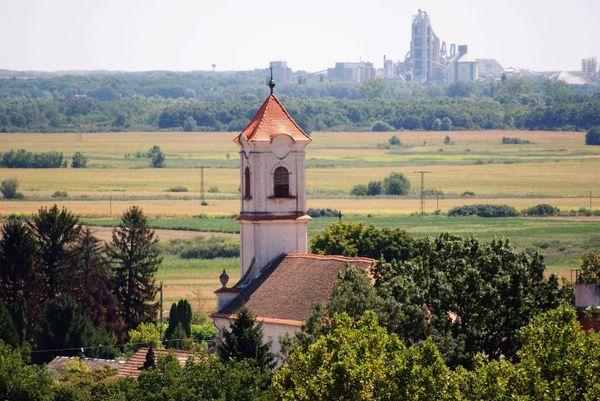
{"type": "Point", "coordinates": [279, 280]}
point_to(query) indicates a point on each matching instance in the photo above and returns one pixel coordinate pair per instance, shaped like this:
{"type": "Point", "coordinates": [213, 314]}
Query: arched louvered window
{"type": "Point", "coordinates": [247, 192]}
{"type": "Point", "coordinates": [282, 182]}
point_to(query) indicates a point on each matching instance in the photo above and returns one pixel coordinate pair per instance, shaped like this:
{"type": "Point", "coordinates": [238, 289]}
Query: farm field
{"type": "Point", "coordinates": [561, 242]}
{"type": "Point", "coordinates": [554, 167]}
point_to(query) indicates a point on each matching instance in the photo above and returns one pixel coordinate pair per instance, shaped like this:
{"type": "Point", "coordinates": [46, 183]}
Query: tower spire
{"type": "Point", "coordinates": [272, 82]}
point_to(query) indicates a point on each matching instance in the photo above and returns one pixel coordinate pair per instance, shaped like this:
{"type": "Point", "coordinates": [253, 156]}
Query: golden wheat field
{"type": "Point", "coordinates": [556, 166]}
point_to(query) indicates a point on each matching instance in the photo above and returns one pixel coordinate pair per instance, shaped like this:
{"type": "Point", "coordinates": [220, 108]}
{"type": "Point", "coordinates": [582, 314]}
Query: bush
{"type": "Point", "coordinates": [447, 140]}
{"type": "Point", "coordinates": [323, 213]}
{"type": "Point", "coordinates": [177, 189]}
{"type": "Point", "coordinates": [394, 140]}
{"type": "Point", "coordinates": [396, 184]}
{"type": "Point", "coordinates": [543, 209]}
{"type": "Point", "coordinates": [468, 194]}
{"type": "Point", "coordinates": [359, 190]}
{"type": "Point", "coordinates": [513, 141]}
{"type": "Point", "coordinates": [60, 195]}
{"type": "Point", "coordinates": [484, 211]}
{"type": "Point", "coordinates": [374, 188]}
{"type": "Point", "coordinates": [79, 160]}
{"type": "Point", "coordinates": [9, 189]}
{"type": "Point", "coordinates": [592, 137]}
{"type": "Point", "coordinates": [214, 189]}
{"type": "Point", "coordinates": [381, 126]}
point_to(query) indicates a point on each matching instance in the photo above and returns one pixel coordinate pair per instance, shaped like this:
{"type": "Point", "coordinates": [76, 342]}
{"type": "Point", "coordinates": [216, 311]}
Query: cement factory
{"type": "Point", "coordinates": [432, 60]}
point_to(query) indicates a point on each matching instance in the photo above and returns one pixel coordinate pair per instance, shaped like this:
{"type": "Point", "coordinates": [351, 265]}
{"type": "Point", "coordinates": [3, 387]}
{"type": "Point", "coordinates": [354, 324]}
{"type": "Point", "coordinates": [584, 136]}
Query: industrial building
{"type": "Point", "coordinates": [352, 72]}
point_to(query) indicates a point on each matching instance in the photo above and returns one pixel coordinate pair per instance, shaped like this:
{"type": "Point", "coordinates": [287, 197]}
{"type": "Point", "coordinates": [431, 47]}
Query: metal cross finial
{"type": "Point", "coordinates": [272, 82]}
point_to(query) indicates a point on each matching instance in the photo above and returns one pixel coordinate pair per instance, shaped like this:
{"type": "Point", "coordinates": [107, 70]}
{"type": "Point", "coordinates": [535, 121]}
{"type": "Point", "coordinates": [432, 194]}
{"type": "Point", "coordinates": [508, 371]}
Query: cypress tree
{"type": "Point", "coordinates": [150, 361]}
{"type": "Point", "coordinates": [135, 259]}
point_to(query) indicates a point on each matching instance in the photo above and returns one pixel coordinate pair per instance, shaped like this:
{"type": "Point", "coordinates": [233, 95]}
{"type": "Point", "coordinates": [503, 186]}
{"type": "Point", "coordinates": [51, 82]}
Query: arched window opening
{"type": "Point", "coordinates": [247, 192]}
{"type": "Point", "coordinates": [282, 183]}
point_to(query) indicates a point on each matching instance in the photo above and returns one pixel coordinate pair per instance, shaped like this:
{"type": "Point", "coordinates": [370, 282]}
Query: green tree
{"type": "Point", "coordinates": [145, 335]}
{"type": "Point", "coordinates": [180, 317]}
{"type": "Point", "coordinates": [558, 359]}
{"type": "Point", "coordinates": [56, 232]}
{"type": "Point", "coordinates": [92, 285]}
{"type": "Point", "coordinates": [396, 184]}
{"type": "Point", "coordinates": [358, 239]}
{"type": "Point", "coordinates": [64, 330]}
{"type": "Point", "coordinates": [135, 258]}
{"type": "Point", "coordinates": [590, 269]}
{"type": "Point", "coordinates": [8, 330]}
{"type": "Point", "coordinates": [592, 137]}
{"type": "Point", "coordinates": [359, 190]}
{"type": "Point", "coordinates": [79, 160]}
{"type": "Point", "coordinates": [8, 188]}
{"type": "Point", "coordinates": [359, 360]}
{"type": "Point", "coordinates": [374, 188]}
{"type": "Point", "coordinates": [476, 296]}
{"type": "Point", "coordinates": [19, 261]}
{"type": "Point", "coordinates": [22, 382]}
{"type": "Point", "coordinates": [244, 340]}
{"type": "Point", "coordinates": [150, 362]}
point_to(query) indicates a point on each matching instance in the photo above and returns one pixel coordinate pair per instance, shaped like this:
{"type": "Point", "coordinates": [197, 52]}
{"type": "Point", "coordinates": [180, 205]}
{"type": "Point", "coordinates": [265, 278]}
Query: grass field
{"type": "Point", "coordinates": [554, 167]}
{"type": "Point", "coordinates": [561, 242]}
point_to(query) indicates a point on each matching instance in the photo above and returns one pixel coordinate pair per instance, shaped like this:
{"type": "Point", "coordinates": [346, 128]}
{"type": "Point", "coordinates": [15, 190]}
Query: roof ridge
{"type": "Point", "coordinates": [341, 258]}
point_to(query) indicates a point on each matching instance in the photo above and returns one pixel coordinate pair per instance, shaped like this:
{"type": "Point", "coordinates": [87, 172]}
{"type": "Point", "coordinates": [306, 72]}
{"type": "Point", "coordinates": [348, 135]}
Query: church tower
{"type": "Point", "coordinates": [272, 217]}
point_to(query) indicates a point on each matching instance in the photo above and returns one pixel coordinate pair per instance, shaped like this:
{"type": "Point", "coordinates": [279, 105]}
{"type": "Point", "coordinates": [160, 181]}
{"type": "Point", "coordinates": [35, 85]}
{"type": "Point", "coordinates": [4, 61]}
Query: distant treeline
{"type": "Point", "coordinates": [25, 159]}
{"type": "Point", "coordinates": [225, 102]}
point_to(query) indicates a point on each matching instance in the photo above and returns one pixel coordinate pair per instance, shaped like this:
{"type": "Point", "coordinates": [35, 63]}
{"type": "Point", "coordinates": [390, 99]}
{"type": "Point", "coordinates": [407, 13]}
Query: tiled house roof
{"type": "Point", "coordinates": [285, 291]}
{"type": "Point", "coordinates": [133, 366]}
{"type": "Point", "coordinates": [58, 367]}
{"type": "Point", "coordinates": [270, 121]}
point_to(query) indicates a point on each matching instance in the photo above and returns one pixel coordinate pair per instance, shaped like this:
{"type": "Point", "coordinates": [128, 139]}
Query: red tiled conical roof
{"type": "Point", "coordinates": [270, 121]}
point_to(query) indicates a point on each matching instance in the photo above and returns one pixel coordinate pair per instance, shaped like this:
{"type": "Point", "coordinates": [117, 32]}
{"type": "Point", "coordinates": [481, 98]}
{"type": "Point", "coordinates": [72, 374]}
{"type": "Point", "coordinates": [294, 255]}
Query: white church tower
{"type": "Point", "coordinates": [272, 217]}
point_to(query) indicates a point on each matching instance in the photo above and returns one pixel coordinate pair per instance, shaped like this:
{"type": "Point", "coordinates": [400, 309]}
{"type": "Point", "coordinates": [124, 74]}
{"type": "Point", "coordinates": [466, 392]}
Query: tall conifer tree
{"type": "Point", "coordinates": [135, 259]}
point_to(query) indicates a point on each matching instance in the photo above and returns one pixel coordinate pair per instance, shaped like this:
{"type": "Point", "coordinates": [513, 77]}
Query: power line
{"type": "Point", "coordinates": [422, 172]}
{"type": "Point", "coordinates": [108, 346]}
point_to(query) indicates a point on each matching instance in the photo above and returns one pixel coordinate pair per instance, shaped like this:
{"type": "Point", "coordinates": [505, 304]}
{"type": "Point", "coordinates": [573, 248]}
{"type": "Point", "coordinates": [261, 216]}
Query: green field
{"type": "Point", "coordinates": [552, 167]}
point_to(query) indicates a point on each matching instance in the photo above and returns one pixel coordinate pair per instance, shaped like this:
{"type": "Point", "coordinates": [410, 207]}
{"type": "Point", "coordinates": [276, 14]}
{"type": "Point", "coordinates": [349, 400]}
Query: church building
{"type": "Point", "coordinates": [279, 280]}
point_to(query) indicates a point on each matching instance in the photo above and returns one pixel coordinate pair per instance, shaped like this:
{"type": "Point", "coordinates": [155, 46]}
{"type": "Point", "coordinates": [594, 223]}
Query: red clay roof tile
{"type": "Point", "coordinates": [270, 121]}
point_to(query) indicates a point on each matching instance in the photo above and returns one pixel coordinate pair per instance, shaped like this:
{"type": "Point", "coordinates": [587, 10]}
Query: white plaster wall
{"type": "Point", "coordinates": [266, 240]}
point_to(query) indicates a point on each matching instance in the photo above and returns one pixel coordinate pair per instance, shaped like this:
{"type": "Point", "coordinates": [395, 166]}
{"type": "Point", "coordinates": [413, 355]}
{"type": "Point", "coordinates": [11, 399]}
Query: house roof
{"type": "Point", "coordinates": [134, 365]}
{"type": "Point", "coordinates": [58, 367]}
{"type": "Point", "coordinates": [272, 120]}
{"type": "Point", "coordinates": [285, 291]}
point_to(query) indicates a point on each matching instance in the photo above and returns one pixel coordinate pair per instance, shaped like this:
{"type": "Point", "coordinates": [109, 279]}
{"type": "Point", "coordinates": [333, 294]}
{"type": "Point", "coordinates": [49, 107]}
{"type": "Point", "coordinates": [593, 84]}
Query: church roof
{"type": "Point", "coordinates": [270, 121]}
{"type": "Point", "coordinates": [285, 291]}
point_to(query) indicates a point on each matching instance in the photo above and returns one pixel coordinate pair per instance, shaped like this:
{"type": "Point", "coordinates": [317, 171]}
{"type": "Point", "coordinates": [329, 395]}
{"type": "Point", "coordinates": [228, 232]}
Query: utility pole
{"type": "Point", "coordinates": [202, 199]}
{"type": "Point", "coordinates": [422, 172]}
{"type": "Point", "coordinates": [160, 326]}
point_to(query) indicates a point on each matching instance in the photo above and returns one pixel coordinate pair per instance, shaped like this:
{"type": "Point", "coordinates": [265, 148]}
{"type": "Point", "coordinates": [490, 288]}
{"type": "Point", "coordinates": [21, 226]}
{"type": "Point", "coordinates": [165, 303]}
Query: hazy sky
{"type": "Point", "coordinates": [309, 34]}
